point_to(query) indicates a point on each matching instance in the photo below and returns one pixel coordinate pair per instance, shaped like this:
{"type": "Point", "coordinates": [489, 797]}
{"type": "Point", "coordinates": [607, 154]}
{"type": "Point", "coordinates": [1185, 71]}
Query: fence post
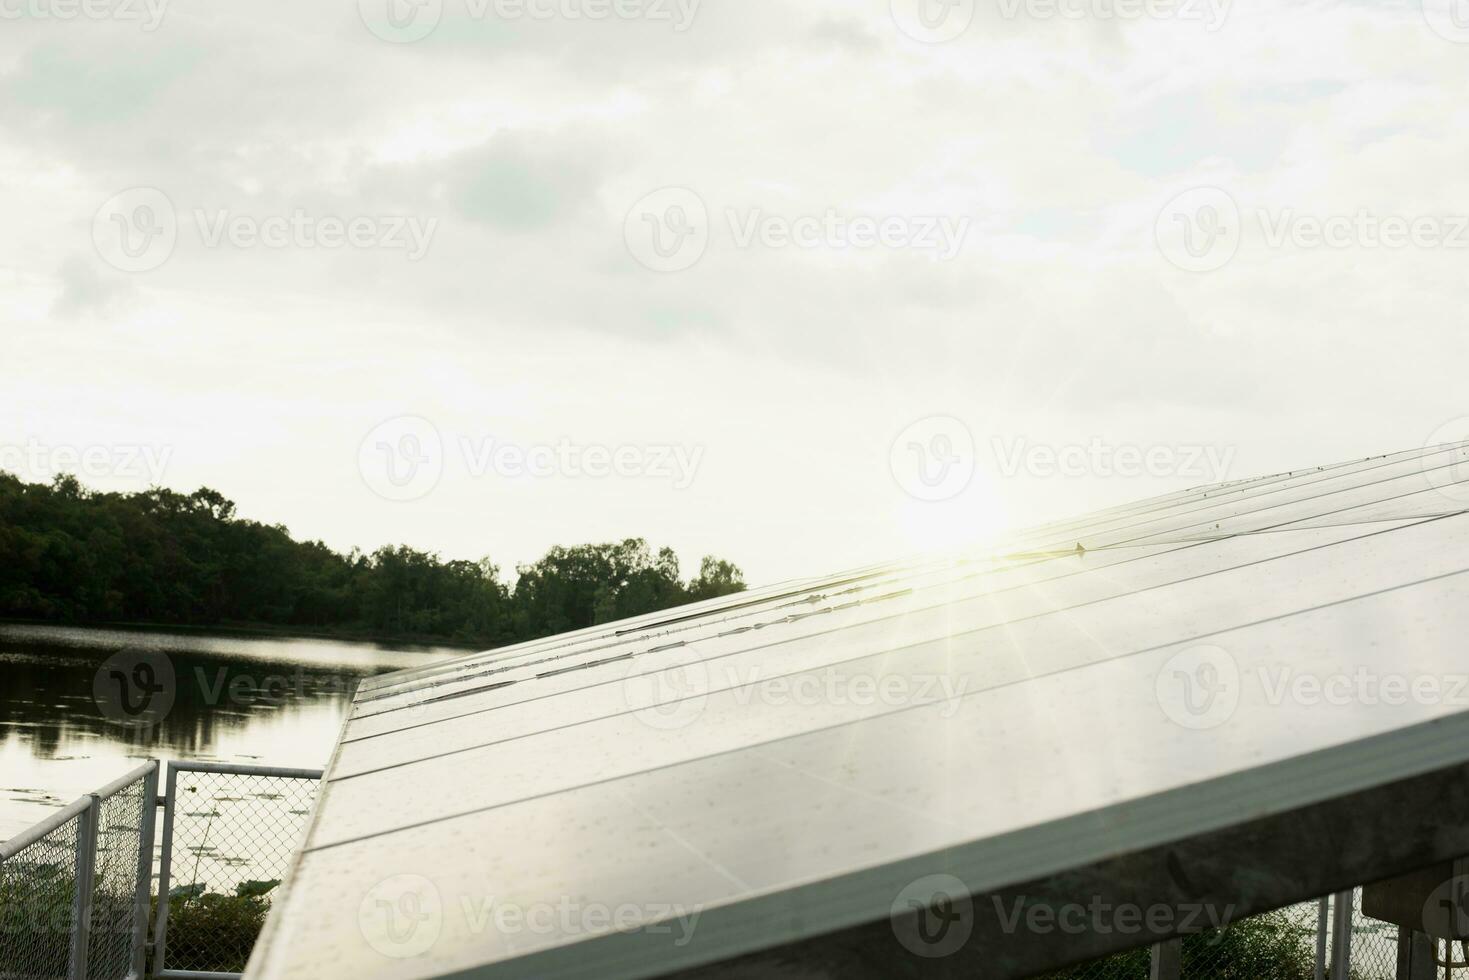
{"type": "Point", "coordinates": [86, 862]}
{"type": "Point", "coordinates": [1167, 960]}
{"type": "Point", "coordinates": [145, 873]}
{"type": "Point", "coordinates": [1323, 915]}
{"type": "Point", "coordinates": [165, 872]}
{"type": "Point", "coordinates": [1341, 937]}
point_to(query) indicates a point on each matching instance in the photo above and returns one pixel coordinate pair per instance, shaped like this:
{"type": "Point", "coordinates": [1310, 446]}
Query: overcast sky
{"type": "Point", "coordinates": [803, 284]}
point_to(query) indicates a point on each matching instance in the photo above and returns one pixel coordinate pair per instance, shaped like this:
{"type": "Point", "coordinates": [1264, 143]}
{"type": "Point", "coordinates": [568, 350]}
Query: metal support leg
{"type": "Point", "coordinates": [1167, 960]}
{"type": "Point", "coordinates": [1323, 918]}
{"type": "Point", "coordinates": [81, 936]}
{"type": "Point", "coordinates": [165, 873]}
{"type": "Point", "coordinates": [1341, 937]}
{"type": "Point", "coordinates": [1417, 955]}
{"type": "Point", "coordinates": [145, 873]}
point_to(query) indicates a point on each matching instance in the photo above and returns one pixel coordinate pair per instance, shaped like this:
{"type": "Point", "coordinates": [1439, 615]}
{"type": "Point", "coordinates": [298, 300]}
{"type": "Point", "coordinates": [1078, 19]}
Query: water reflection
{"type": "Point", "coordinates": [270, 701]}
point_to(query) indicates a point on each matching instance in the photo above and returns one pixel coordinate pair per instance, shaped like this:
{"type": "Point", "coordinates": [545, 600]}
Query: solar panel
{"type": "Point", "coordinates": [759, 780]}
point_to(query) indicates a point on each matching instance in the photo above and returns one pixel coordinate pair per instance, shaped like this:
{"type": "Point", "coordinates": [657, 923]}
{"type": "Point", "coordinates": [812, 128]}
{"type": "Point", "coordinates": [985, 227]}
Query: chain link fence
{"type": "Point", "coordinates": [228, 838]}
{"type": "Point", "coordinates": [73, 889]}
{"type": "Point", "coordinates": [1281, 945]}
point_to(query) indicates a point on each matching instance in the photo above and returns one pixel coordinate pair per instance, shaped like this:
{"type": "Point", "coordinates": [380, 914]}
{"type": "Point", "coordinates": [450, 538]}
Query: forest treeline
{"type": "Point", "coordinates": [72, 555]}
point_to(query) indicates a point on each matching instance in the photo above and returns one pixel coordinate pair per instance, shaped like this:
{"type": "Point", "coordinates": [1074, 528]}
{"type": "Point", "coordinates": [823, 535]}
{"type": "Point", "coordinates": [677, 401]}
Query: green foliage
{"type": "Point", "coordinates": [70, 555]}
{"type": "Point", "coordinates": [1265, 947]}
{"type": "Point", "coordinates": [215, 933]}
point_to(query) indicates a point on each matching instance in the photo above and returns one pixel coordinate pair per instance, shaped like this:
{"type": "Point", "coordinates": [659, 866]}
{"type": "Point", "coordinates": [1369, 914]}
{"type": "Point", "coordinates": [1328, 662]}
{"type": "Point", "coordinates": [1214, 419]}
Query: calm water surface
{"type": "Point", "coordinates": [276, 701]}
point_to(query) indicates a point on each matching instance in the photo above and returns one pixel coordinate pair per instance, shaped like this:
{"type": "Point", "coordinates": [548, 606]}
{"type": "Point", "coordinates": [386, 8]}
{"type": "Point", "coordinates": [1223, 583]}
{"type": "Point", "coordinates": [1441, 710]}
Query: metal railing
{"type": "Point", "coordinates": [228, 835]}
{"type": "Point", "coordinates": [74, 889]}
{"type": "Point", "coordinates": [76, 895]}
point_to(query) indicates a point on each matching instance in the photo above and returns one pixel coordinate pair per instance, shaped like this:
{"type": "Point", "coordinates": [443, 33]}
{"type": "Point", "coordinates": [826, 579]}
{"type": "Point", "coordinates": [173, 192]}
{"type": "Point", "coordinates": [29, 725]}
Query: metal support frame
{"type": "Point", "coordinates": [146, 838]}
{"type": "Point", "coordinates": [1246, 868]}
{"type": "Point", "coordinates": [1417, 956]}
{"type": "Point", "coordinates": [81, 930]}
{"type": "Point", "coordinates": [1341, 935]}
{"type": "Point", "coordinates": [1323, 920]}
{"type": "Point", "coordinates": [1167, 961]}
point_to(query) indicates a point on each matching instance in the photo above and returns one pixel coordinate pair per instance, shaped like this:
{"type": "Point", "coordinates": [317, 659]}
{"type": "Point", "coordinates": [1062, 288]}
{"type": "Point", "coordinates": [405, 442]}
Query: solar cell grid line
{"type": "Point", "coordinates": [727, 722]}
{"type": "Point", "coordinates": [604, 697]}
{"type": "Point", "coordinates": [612, 639]}
{"type": "Point", "coordinates": [373, 683]}
{"type": "Point", "coordinates": [357, 731]}
{"type": "Point", "coordinates": [736, 600]}
{"type": "Point", "coordinates": [413, 698]}
{"type": "Point", "coordinates": [884, 595]}
{"type": "Point", "coordinates": [1367, 473]}
{"type": "Point", "coordinates": [1342, 503]}
{"type": "Point", "coordinates": [472, 842]}
{"type": "Point", "coordinates": [1372, 476]}
{"type": "Point", "coordinates": [411, 701]}
{"type": "Point", "coordinates": [1249, 485]}
{"type": "Point", "coordinates": [1330, 500]}
{"type": "Point", "coordinates": [521, 649]}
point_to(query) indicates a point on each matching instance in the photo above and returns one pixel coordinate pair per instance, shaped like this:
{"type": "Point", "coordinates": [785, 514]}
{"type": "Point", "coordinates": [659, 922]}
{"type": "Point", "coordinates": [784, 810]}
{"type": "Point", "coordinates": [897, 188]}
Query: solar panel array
{"type": "Point", "coordinates": [682, 787]}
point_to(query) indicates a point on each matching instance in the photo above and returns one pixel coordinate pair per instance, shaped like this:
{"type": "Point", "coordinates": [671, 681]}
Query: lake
{"type": "Point", "coordinates": [69, 719]}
